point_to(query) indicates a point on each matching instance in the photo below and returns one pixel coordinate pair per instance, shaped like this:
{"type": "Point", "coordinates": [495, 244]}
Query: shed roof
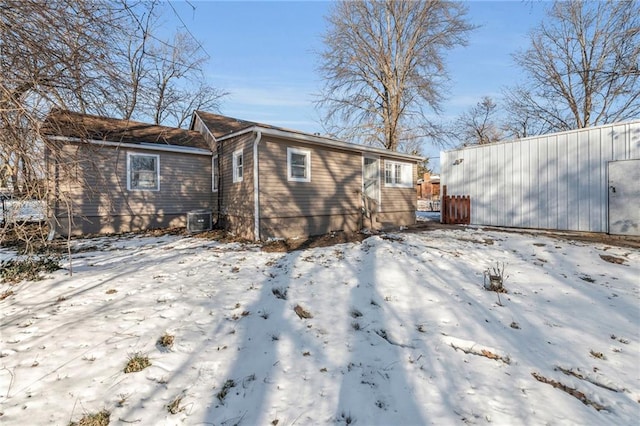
{"type": "Point", "coordinates": [92, 127]}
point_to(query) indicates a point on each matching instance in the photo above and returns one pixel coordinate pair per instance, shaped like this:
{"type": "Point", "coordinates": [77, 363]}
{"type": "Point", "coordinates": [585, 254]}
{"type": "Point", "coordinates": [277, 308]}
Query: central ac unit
{"type": "Point", "coordinates": [199, 221]}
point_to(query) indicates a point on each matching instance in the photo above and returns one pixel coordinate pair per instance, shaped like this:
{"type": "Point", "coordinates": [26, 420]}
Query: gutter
{"type": "Point", "coordinates": [256, 188]}
{"type": "Point", "coordinates": [323, 141]}
{"type": "Point", "coordinates": [142, 145]}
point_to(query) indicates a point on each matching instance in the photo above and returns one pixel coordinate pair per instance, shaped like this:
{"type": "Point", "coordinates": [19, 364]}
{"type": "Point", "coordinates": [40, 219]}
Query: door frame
{"type": "Point", "coordinates": [378, 176]}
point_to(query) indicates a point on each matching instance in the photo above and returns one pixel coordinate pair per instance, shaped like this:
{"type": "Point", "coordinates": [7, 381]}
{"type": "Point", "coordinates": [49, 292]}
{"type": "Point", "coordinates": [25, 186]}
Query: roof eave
{"type": "Point", "coordinates": [142, 145]}
{"type": "Point", "coordinates": [322, 141]}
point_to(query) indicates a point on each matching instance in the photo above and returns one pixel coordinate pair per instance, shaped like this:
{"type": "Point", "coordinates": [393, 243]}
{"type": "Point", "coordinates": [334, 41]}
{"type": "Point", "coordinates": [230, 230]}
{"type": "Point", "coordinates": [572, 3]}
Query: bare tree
{"type": "Point", "coordinates": [521, 120]}
{"type": "Point", "coordinates": [91, 56]}
{"type": "Point", "coordinates": [176, 86]}
{"type": "Point", "coordinates": [478, 126]}
{"type": "Point", "coordinates": [383, 67]}
{"type": "Point", "coordinates": [53, 53]}
{"type": "Point", "coordinates": [582, 67]}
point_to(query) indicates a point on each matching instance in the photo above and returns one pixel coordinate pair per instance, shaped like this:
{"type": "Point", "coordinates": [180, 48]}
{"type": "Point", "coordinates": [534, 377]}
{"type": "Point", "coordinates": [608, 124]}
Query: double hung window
{"type": "Point", "coordinates": [143, 172]}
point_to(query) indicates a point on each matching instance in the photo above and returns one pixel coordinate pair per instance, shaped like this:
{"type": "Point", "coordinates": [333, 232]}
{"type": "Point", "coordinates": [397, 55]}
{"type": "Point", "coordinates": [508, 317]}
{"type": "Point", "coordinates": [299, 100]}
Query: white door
{"type": "Point", "coordinates": [624, 197]}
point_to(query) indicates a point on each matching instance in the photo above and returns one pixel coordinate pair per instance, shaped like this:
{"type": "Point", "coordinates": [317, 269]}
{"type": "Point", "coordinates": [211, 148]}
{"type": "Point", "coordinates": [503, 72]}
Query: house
{"type": "Point", "coordinates": [258, 181]}
{"type": "Point", "coordinates": [580, 180]}
{"type": "Point", "coordinates": [107, 175]}
{"type": "Point", "coordinates": [428, 192]}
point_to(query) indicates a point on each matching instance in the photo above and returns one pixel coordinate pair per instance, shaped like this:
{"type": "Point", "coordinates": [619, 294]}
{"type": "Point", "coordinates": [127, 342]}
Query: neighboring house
{"type": "Point", "coordinates": [581, 180]}
{"type": "Point", "coordinates": [258, 181]}
{"type": "Point", "coordinates": [428, 188]}
{"type": "Point", "coordinates": [428, 192]}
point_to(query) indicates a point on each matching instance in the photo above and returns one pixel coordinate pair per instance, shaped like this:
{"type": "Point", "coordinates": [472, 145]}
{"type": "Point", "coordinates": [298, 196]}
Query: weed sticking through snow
{"type": "Point", "coordinates": [166, 341]}
{"type": "Point", "coordinates": [174, 407]}
{"type": "Point", "coordinates": [302, 313]}
{"type": "Point", "coordinates": [137, 362]}
{"type": "Point", "coordinates": [280, 292]}
{"type": "Point", "coordinates": [225, 389]}
{"type": "Point", "coordinates": [97, 419]}
{"type": "Point", "coordinates": [494, 278]}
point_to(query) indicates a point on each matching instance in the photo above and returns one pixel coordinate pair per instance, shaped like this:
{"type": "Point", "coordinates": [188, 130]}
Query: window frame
{"type": "Point", "coordinates": [395, 173]}
{"type": "Point", "coordinates": [215, 173]}
{"type": "Point", "coordinates": [238, 177]}
{"type": "Point", "coordinates": [307, 164]}
{"type": "Point", "coordinates": [130, 172]}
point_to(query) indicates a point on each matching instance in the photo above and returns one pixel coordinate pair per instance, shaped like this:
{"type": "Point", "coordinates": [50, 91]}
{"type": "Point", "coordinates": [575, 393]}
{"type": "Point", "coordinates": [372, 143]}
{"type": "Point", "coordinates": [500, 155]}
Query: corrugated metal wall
{"type": "Point", "coordinates": [556, 181]}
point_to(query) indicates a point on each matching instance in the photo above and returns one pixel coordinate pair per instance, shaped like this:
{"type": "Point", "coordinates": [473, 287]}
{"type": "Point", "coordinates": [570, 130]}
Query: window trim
{"type": "Point", "coordinates": [405, 170]}
{"type": "Point", "coordinates": [238, 154]}
{"type": "Point", "coordinates": [215, 173]}
{"type": "Point", "coordinates": [129, 171]}
{"type": "Point", "coordinates": [307, 164]}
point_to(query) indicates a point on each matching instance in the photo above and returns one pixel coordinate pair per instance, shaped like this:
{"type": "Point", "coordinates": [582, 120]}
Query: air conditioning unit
{"type": "Point", "coordinates": [199, 221]}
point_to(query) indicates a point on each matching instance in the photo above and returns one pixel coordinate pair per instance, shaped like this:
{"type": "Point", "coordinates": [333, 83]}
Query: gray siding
{"type": "Point", "coordinates": [556, 181]}
{"type": "Point", "coordinates": [92, 188]}
{"type": "Point", "coordinates": [331, 201]}
{"type": "Point", "coordinates": [236, 199]}
{"type": "Point", "coordinates": [396, 202]}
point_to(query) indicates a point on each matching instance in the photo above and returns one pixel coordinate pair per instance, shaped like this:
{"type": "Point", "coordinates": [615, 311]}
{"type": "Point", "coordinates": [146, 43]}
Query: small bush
{"type": "Point", "coordinates": [494, 278]}
{"type": "Point", "coordinates": [137, 362]}
{"type": "Point", "coordinates": [14, 270]}
{"type": "Point", "coordinates": [97, 419]}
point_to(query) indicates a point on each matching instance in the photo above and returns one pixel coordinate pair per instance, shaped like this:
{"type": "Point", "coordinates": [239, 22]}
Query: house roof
{"type": "Point", "coordinates": [91, 127]}
{"type": "Point", "coordinates": [223, 127]}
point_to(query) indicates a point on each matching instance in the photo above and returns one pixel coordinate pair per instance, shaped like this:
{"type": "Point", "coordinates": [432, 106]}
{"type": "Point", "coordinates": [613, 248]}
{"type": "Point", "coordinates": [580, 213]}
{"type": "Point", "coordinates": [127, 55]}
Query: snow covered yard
{"type": "Point", "coordinates": [396, 330]}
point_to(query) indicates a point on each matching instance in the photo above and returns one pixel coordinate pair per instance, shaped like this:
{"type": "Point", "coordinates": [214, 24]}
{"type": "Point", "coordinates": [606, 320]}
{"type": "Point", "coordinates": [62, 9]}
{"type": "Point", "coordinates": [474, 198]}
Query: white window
{"type": "Point", "coordinates": [298, 165]}
{"type": "Point", "coordinates": [238, 166]}
{"type": "Point", "coordinates": [143, 172]}
{"type": "Point", "coordinates": [398, 174]}
{"type": "Point", "coordinates": [215, 173]}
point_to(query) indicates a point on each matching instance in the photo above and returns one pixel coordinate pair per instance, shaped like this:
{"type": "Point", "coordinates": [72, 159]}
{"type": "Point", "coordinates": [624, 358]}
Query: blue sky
{"type": "Point", "coordinates": [264, 54]}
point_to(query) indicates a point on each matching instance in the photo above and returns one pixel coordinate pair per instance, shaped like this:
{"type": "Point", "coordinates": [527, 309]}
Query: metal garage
{"type": "Point", "coordinates": [582, 180]}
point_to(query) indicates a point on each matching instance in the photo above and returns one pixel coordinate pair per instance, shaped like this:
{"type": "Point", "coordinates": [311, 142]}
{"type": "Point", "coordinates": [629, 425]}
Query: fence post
{"type": "Point", "coordinates": [443, 205]}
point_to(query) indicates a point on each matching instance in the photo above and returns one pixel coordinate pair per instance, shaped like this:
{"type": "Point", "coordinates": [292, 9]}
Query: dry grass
{"type": "Point", "coordinates": [225, 389]}
{"type": "Point", "coordinates": [174, 407]}
{"type": "Point", "coordinates": [166, 341]}
{"type": "Point", "coordinates": [137, 362]}
{"type": "Point", "coordinates": [302, 313]}
{"type": "Point", "coordinates": [97, 419]}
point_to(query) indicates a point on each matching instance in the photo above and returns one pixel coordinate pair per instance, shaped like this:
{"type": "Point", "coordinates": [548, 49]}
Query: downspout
{"type": "Point", "coordinates": [220, 182]}
{"type": "Point", "coordinates": [256, 188]}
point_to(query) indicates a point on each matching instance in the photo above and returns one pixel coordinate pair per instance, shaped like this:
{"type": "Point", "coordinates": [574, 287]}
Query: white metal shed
{"type": "Point", "coordinates": [581, 180]}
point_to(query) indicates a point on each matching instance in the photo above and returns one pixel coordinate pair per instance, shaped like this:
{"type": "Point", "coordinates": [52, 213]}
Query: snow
{"type": "Point", "coordinates": [23, 210]}
{"type": "Point", "coordinates": [427, 216]}
{"type": "Point", "coordinates": [402, 332]}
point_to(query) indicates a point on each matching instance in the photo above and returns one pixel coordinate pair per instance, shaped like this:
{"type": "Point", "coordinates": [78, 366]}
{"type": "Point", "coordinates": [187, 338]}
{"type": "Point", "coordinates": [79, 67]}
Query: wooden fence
{"type": "Point", "coordinates": [455, 208]}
